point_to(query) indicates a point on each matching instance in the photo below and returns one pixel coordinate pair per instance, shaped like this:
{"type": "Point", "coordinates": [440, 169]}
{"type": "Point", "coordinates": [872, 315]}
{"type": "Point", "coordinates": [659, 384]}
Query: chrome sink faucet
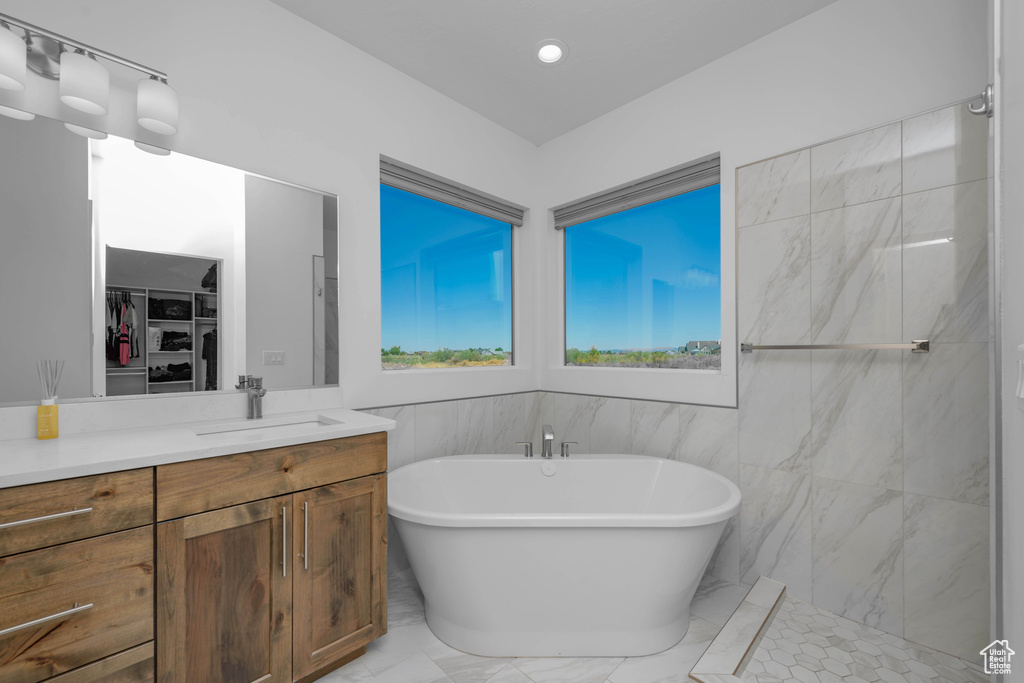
{"type": "Point", "coordinates": [254, 388]}
{"type": "Point", "coordinates": [548, 435]}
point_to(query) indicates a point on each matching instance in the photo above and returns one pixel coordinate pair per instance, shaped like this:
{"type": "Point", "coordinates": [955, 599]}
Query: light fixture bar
{"type": "Point", "coordinates": [74, 44]}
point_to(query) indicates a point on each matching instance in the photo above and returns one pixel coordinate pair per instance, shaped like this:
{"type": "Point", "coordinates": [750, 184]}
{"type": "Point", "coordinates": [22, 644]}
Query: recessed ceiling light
{"type": "Point", "coordinates": [550, 51]}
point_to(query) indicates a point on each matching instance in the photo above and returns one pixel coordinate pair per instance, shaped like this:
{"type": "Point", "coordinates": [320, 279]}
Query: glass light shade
{"type": "Point", "coordinates": [16, 113]}
{"type": "Point", "coordinates": [157, 107]}
{"type": "Point", "coordinates": [84, 83]}
{"type": "Point", "coordinates": [549, 53]}
{"type": "Point", "coordinates": [152, 149]}
{"type": "Point", "coordinates": [12, 60]}
{"type": "Point", "coordinates": [86, 132]}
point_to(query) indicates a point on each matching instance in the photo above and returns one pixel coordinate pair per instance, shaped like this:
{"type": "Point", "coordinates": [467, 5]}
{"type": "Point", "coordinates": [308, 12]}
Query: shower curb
{"type": "Point", "coordinates": [729, 653]}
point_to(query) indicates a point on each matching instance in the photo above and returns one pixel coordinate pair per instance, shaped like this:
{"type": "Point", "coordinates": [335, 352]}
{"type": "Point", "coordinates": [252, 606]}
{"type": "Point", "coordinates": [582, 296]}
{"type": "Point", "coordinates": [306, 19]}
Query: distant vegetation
{"type": "Point", "coordinates": [635, 358]}
{"type": "Point", "coordinates": [397, 359]}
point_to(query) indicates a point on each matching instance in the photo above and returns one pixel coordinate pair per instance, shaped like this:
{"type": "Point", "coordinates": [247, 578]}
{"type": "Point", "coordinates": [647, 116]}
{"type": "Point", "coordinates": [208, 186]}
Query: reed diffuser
{"type": "Point", "coordinates": [46, 413]}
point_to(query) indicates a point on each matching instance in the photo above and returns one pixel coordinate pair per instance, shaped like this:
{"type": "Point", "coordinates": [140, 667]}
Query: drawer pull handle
{"type": "Point", "coordinates": [305, 536]}
{"type": "Point", "coordinates": [44, 518]}
{"type": "Point", "coordinates": [284, 540]}
{"type": "Point", "coordinates": [53, 617]}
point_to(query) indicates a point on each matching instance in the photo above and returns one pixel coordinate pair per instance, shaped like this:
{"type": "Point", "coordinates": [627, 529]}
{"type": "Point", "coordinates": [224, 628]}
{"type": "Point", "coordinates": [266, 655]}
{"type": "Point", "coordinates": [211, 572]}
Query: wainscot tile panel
{"type": "Point", "coordinates": [856, 423]}
{"type": "Point", "coordinates": [476, 425]}
{"type": "Point", "coordinates": [574, 416]}
{"type": "Point", "coordinates": [858, 553]}
{"type": "Point", "coordinates": [774, 189]}
{"type": "Point", "coordinates": [655, 428]}
{"type": "Point", "coordinates": [437, 429]}
{"type": "Point", "coordinates": [945, 264]}
{"type": "Point", "coordinates": [509, 423]}
{"type": "Point", "coordinates": [945, 422]}
{"type": "Point", "coordinates": [609, 430]}
{"type": "Point", "coordinates": [944, 147]}
{"type": "Point", "coordinates": [856, 274]}
{"type": "Point", "coordinates": [775, 528]}
{"type": "Point", "coordinates": [859, 168]}
{"type": "Point", "coordinates": [946, 564]}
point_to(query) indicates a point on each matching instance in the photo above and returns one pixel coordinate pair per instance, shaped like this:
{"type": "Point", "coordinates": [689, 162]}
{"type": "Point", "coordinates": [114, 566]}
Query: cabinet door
{"type": "Point", "coordinates": [340, 583]}
{"type": "Point", "coordinates": [224, 596]}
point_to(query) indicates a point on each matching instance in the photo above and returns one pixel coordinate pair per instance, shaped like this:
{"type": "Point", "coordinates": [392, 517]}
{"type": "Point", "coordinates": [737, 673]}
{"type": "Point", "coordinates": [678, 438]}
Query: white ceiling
{"type": "Point", "coordinates": [480, 52]}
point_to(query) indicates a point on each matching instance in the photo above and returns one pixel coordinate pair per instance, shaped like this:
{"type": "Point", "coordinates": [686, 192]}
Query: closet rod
{"type": "Point", "coordinates": [916, 346]}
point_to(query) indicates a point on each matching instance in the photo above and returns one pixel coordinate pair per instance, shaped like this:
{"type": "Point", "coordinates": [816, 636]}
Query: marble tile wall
{"type": "Point", "coordinates": [866, 473]}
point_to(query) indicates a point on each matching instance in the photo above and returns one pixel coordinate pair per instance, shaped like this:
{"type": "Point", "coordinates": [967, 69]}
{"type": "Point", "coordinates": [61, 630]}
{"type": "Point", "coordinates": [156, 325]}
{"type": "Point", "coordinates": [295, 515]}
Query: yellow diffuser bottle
{"type": "Point", "coordinates": [46, 414]}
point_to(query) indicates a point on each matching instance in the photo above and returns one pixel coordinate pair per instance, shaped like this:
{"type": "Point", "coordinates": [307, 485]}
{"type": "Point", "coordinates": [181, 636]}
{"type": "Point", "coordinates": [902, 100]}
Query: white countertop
{"type": "Point", "coordinates": [30, 461]}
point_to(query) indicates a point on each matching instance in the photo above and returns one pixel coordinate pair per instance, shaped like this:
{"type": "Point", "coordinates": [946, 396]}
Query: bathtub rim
{"type": "Point", "coordinates": [721, 512]}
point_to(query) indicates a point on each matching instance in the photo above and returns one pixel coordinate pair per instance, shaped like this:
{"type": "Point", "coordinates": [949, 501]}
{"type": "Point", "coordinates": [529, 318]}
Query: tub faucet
{"type": "Point", "coordinates": [548, 435]}
{"type": "Point", "coordinates": [254, 388]}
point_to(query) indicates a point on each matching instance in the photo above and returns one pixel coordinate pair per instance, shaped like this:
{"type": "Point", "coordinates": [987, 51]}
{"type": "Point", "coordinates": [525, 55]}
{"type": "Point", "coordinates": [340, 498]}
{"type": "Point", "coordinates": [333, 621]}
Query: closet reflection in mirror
{"type": "Point", "coordinates": [85, 218]}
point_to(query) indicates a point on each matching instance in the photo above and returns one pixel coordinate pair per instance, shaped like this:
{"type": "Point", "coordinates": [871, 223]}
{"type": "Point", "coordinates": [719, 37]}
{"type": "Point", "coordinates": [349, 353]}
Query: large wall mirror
{"type": "Point", "coordinates": [154, 274]}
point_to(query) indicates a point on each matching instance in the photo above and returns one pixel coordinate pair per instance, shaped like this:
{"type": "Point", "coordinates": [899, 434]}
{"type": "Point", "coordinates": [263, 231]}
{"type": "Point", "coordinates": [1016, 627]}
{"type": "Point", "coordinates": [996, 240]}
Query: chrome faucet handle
{"type": "Point", "coordinates": [527, 448]}
{"type": "Point", "coordinates": [565, 447]}
{"type": "Point", "coordinates": [243, 382]}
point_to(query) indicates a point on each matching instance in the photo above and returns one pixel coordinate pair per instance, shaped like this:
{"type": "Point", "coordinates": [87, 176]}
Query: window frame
{"type": "Point", "coordinates": [415, 181]}
{"type": "Point", "coordinates": [701, 387]}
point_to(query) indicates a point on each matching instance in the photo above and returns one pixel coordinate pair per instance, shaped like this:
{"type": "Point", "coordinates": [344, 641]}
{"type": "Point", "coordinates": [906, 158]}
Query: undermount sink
{"type": "Point", "coordinates": [269, 426]}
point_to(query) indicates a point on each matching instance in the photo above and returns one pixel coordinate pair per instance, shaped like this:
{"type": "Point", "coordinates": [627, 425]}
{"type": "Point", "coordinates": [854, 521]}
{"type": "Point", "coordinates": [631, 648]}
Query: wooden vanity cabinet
{"type": "Point", "coordinates": [284, 587]}
{"type": "Point", "coordinates": [76, 580]}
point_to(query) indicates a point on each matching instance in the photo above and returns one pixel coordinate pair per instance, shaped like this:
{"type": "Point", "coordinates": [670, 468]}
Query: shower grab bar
{"type": "Point", "coordinates": [916, 346]}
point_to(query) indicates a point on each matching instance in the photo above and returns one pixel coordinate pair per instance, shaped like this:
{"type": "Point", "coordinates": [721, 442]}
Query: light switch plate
{"type": "Point", "coordinates": [273, 357]}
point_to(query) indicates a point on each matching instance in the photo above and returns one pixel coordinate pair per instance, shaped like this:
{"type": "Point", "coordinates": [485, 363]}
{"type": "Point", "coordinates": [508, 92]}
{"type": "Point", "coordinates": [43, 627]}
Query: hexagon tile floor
{"type": "Point", "coordinates": [807, 644]}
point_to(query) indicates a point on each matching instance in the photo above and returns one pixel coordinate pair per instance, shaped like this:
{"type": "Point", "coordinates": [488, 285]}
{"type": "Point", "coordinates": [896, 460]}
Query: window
{"type": "Point", "coordinates": [446, 274]}
{"type": "Point", "coordinates": [643, 274]}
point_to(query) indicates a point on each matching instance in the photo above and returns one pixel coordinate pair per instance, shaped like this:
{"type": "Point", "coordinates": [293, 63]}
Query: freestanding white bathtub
{"type": "Point", "coordinates": [592, 555]}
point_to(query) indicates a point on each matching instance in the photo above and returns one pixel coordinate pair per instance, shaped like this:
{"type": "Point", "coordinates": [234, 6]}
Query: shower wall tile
{"type": "Point", "coordinates": [708, 437]}
{"type": "Point", "coordinates": [509, 421]}
{"type": "Point", "coordinates": [858, 553]}
{"type": "Point", "coordinates": [945, 422]}
{"type": "Point", "coordinates": [773, 295]}
{"type": "Point", "coordinates": [437, 429]}
{"type": "Point", "coordinates": [945, 264]}
{"type": "Point", "coordinates": [856, 420]}
{"type": "Point", "coordinates": [856, 274]}
{"type": "Point", "coordinates": [946, 550]}
{"type": "Point", "coordinates": [944, 147]}
{"type": "Point", "coordinates": [774, 189]}
{"type": "Point", "coordinates": [655, 428]}
{"type": "Point", "coordinates": [775, 410]}
{"type": "Point", "coordinates": [775, 528]}
{"type": "Point", "coordinates": [859, 168]}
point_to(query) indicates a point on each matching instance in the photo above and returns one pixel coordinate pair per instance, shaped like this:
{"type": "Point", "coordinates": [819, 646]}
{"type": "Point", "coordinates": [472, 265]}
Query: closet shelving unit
{"type": "Point", "coordinates": [134, 378]}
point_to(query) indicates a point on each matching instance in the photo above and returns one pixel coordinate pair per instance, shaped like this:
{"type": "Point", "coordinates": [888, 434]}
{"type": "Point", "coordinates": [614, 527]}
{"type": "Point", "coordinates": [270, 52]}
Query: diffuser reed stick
{"type": "Point", "coordinates": [46, 413]}
{"type": "Point", "coordinates": [49, 376]}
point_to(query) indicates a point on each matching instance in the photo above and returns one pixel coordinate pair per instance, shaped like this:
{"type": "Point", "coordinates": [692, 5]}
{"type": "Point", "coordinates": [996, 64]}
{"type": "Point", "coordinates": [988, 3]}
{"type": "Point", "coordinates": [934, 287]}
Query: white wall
{"type": "Point", "coordinates": [850, 66]}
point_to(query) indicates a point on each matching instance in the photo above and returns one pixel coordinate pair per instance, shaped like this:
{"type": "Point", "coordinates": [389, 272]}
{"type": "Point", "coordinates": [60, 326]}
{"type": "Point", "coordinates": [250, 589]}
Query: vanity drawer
{"type": "Point", "coordinates": [67, 606]}
{"type": "Point", "coordinates": [131, 666]}
{"type": "Point", "coordinates": [189, 488]}
{"type": "Point", "coordinates": [41, 515]}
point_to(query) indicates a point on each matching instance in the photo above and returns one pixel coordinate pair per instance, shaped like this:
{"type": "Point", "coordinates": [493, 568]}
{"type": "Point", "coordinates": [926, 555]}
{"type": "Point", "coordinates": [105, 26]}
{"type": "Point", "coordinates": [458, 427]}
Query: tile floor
{"type": "Point", "coordinates": [807, 644]}
{"type": "Point", "coordinates": [410, 653]}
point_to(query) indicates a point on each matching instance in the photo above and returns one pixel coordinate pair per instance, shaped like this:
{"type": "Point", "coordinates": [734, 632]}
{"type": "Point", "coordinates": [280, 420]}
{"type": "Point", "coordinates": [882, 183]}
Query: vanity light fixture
{"type": "Point", "coordinates": [12, 59]}
{"type": "Point", "coordinates": [86, 132]}
{"type": "Point", "coordinates": [550, 51]}
{"type": "Point", "coordinates": [16, 113]}
{"type": "Point", "coordinates": [84, 80]}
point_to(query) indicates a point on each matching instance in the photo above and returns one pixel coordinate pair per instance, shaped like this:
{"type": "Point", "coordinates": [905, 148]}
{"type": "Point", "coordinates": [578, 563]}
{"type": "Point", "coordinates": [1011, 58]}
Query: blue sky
{"type": "Point", "coordinates": [446, 275]}
{"type": "Point", "coordinates": [648, 277]}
